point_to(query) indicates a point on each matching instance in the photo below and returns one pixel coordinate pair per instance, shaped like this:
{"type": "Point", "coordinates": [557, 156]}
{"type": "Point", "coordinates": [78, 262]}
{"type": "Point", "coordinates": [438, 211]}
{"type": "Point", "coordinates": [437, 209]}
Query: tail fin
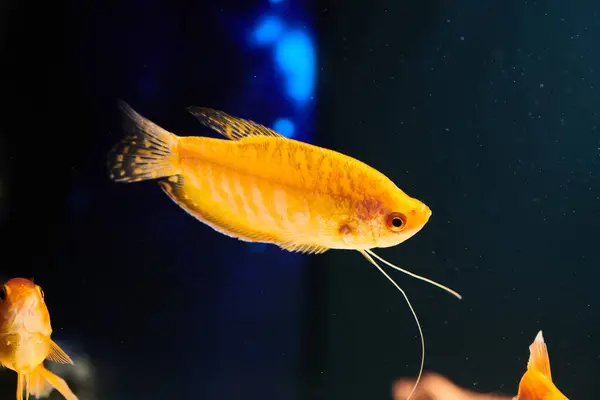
{"type": "Point", "coordinates": [148, 152]}
{"type": "Point", "coordinates": [40, 383]}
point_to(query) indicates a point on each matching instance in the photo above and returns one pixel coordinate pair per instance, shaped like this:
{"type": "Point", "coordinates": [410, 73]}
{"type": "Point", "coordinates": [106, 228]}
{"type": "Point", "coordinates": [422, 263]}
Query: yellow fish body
{"type": "Point", "coordinates": [260, 186]}
{"type": "Point", "coordinates": [263, 187]}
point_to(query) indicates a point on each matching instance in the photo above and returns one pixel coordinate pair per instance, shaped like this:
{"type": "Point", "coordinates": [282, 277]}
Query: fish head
{"type": "Point", "coordinates": [401, 221]}
{"type": "Point", "coordinates": [384, 220]}
{"type": "Point", "coordinates": [400, 217]}
{"type": "Point", "coordinates": [22, 306]}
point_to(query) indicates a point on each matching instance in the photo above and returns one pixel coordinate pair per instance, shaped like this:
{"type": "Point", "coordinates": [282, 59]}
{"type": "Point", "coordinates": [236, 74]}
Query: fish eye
{"type": "Point", "coordinates": [41, 292]}
{"type": "Point", "coordinates": [396, 222]}
{"type": "Point", "coordinates": [2, 293]}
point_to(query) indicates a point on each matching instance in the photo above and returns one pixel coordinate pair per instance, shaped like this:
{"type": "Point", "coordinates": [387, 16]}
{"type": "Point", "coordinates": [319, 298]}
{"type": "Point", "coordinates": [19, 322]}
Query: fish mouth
{"type": "Point", "coordinates": [426, 212]}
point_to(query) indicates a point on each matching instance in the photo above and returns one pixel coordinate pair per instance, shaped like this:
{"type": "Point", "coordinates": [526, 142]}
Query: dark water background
{"type": "Point", "coordinates": [487, 111]}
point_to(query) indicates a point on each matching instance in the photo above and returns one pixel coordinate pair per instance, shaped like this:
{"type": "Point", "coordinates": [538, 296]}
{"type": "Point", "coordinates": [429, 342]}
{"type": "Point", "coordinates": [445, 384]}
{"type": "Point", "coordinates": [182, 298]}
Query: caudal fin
{"type": "Point", "coordinates": [40, 384]}
{"type": "Point", "coordinates": [147, 152]}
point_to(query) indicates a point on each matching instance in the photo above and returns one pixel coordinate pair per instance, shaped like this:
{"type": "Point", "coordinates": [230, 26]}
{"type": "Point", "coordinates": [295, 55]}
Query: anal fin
{"type": "Point", "coordinates": [303, 248]}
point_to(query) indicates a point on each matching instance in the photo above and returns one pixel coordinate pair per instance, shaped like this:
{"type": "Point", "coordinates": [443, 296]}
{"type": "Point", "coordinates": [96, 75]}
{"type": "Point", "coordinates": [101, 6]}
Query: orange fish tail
{"type": "Point", "coordinates": [40, 383]}
{"type": "Point", "coordinates": [147, 152]}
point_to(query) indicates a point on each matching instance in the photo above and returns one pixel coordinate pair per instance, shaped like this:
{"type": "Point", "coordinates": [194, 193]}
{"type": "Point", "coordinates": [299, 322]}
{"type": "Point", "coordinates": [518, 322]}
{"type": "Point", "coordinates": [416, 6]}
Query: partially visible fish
{"type": "Point", "coordinates": [260, 186]}
{"type": "Point", "coordinates": [437, 387]}
{"type": "Point", "coordinates": [25, 341]}
{"type": "Point", "coordinates": [536, 383]}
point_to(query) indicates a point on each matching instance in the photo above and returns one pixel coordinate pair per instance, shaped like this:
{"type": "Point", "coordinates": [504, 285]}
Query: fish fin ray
{"type": "Point", "coordinates": [58, 355]}
{"type": "Point", "coordinates": [147, 152]}
{"type": "Point", "coordinates": [303, 248]}
{"type": "Point", "coordinates": [231, 127]}
{"type": "Point", "coordinates": [538, 357]}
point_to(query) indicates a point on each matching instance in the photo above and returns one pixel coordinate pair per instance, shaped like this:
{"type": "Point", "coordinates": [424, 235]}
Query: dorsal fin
{"type": "Point", "coordinates": [538, 356]}
{"type": "Point", "coordinates": [231, 127]}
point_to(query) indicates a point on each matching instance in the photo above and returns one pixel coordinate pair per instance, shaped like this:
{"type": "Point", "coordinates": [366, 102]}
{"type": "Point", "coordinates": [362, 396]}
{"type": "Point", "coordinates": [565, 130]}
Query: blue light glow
{"type": "Point", "coordinates": [268, 30]}
{"type": "Point", "coordinates": [284, 126]}
{"type": "Point", "coordinates": [275, 1]}
{"type": "Point", "coordinates": [295, 55]}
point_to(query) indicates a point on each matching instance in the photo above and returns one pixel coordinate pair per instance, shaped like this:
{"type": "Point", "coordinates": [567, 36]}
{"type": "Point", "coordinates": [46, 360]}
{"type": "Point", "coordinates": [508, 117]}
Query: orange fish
{"type": "Point", "coordinates": [260, 186]}
{"type": "Point", "coordinates": [536, 383]}
{"type": "Point", "coordinates": [25, 340]}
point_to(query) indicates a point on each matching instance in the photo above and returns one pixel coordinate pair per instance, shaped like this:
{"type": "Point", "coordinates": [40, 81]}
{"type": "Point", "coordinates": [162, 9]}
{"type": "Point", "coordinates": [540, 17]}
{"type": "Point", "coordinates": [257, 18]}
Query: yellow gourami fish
{"type": "Point", "coordinates": [536, 383]}
{"type": "Point", "coordinates": [25, 340]}
{"type": "Point", "coordinates": [260, 186]}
